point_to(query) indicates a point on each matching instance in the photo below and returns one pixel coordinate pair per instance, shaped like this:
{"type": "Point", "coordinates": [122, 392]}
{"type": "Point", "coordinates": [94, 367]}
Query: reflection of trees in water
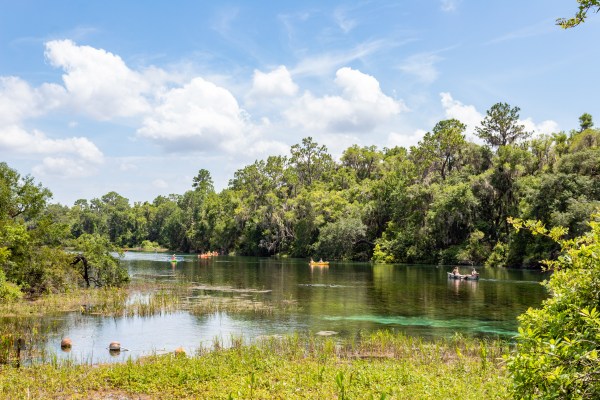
{"type": "Point", "coordinates": [416, 290]}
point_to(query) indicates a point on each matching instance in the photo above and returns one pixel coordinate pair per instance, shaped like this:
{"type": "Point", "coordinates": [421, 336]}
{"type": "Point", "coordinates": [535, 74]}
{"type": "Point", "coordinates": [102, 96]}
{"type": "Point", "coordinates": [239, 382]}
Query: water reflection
{"type": "Point", "coordinates": [345, 297]}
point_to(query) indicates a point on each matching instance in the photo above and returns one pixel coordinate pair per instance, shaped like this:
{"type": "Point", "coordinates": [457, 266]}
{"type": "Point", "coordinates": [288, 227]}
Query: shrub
{"type": "Point", "coordinates": [558, 344]}
{"type": "Point", "coordinates": [8, 291]}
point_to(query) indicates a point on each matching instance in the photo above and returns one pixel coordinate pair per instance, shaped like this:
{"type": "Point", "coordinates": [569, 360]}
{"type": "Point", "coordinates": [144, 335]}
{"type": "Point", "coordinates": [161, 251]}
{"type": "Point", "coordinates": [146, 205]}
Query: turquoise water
{"type": "Point", "coordinates": [347, 298]}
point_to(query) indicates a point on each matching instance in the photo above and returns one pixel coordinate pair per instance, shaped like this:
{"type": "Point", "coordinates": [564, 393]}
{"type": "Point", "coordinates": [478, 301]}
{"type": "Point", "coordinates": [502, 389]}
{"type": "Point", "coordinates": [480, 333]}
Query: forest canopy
{"type": "Point", "coordinates": [445, 200]}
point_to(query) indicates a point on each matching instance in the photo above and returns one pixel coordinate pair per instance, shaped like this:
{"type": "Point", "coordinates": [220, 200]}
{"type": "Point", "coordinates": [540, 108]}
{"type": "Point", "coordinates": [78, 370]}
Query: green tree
{"type": "Point", "coordinates": [585, 122]}
{"type": "Point", "coordinates": [501, 126]}
{"type": "Point", "coordinates": [581, 15]}
{"type": "Point", "coordinates": [311, 161]}
{"type": "Point", "coordinates": [364, 161]}
{"type": "Point", "coordinates": [96, 264]}
{"type": "Point", "coordinates": [203, 181]}
{"type": "Point", "coordinates": [440, 150]}
{"type": "Point", "coordinates": [20, 197]}
{"type": "Point", "coordinates": [338, 239]}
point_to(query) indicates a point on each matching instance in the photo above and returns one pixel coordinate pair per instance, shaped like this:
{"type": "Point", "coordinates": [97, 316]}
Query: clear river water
{"type": "Point", "coordinates": [345, 298]}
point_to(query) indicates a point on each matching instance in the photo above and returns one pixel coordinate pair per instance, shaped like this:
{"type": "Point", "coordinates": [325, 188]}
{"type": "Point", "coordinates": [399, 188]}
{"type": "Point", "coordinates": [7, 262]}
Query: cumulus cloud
{"type": "Point", "coordinates": [360, 107]}
{"type": "Point", "coordinates": [71, 157]}
{"type": "Point", "coordinates": [199, 115]}
{"type": "Point", "coordinates": [543, 128]}
{"type": "Point", "coordinates": [467, 114]}
{"type": "Point", "coordinates": [98, 82]}
{"type": "Point", "coordinates": [19, 101]}
{"type": "Point", "coordinates": [273, 84]}
{"type": "Point", "coordinates": [63, 167]}
{"type": "Point", "coordinates": [14, 138]}
{"type": "Point", "coordinates": [405, 140]}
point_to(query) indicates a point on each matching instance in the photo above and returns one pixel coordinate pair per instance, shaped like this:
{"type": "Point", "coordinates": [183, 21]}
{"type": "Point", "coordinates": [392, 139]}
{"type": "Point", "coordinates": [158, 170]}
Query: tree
{"type": "Point", "coordinates": [440, 150]}
{"type": "Point", "coordinates": [501, 126]}
{"type": "Point", "coordinates": [585, 122]}
{"type": "Point", "coordinates": [203, 182]}
{"type": "Point", "coordinates": [20, 196]}
{"type": "Point", "coordinates": [581, 15]}
{"type": "Point", "coordinates": [310, 160]}
{"type": "Point", "coordinates": [558, 344]}
{"type": "Point", "coordinates": [337, 239]}
{"type": "Point", "coordinates": [96, 265]}
{"type": "Point", "coordinates": [364, 161]}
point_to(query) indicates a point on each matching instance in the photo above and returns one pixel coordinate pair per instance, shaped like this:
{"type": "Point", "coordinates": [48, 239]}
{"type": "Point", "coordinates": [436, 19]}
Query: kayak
{"type": "Point", "coordinates": [463, 277]}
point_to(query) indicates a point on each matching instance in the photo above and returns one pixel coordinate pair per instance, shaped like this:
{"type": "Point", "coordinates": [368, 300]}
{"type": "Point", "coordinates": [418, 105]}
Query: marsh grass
{"type": "Point", "coordinates": [378, 366]}
{"type": "Point", "coordinates": [25, 325]}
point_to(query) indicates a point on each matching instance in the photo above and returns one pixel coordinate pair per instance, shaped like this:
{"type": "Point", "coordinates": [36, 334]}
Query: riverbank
{"type": "Point", "coordinates": [382, 365]}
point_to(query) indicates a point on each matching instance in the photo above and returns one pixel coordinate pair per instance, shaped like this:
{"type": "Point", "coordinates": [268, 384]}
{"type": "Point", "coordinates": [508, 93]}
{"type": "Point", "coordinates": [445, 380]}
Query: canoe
{"type": "Point", "coordinates": [319, 264]}
{"type": "Point", "coordinates": [463, 277]}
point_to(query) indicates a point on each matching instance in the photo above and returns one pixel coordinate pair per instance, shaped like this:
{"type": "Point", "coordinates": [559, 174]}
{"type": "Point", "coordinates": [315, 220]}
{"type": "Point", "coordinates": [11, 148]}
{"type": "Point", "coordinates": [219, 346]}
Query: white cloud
{"type": "Point", "coordinates": [360, 107]}
{"type": "Point", "coordinates": [15, 139]}
{"type": "Point", "coordinates": [19, 101]}
{"type": "Point", "coordinates": [98, 82]}
{"type": "Point", "coordinates": [469, 115]}
{"type": "Point", "coordinates": [403, 140]}
{"type": "Point", "coordinates": [543, 128]}
{"type": "Point", "coordinates": [422, 66]}
{"type": "Point", "coordinates": [63, 167]}
{"type": "Point", "coordinates": [197, 116]}
{"type": "Point", "coordinates": [273, 84]}
{"type": "Point", "coordinates": [466, 114]}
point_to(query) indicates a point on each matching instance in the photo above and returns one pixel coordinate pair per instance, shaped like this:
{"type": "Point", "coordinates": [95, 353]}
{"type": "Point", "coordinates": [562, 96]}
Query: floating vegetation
{"type": "Point", "coordinates": [229, 289]}
{"type": "Point", "coordinates": [238, 305]}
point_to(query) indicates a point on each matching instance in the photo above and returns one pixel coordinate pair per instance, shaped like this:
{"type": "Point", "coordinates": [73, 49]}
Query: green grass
{"type": "Point", "coordinates": [378, 366]}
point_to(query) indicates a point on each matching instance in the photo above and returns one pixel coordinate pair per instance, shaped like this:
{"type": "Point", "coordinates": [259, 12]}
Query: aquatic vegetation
{"type": "Point", "coordinates": [239, 305]}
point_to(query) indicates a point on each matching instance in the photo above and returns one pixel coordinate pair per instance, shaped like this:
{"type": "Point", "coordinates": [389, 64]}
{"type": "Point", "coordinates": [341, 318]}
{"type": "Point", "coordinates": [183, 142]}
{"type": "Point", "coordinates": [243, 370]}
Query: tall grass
{"type": "Point", "coordinates": [378, 366]}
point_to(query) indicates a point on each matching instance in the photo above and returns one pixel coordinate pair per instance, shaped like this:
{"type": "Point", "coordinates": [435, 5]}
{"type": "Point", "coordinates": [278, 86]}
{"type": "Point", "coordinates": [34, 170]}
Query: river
{"type": "Point", "coordinates": [345, 298]}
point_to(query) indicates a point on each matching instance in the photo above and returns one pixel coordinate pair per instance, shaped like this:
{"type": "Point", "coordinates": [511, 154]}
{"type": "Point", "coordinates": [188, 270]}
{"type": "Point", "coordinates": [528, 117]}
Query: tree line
{"type": "Point", "coordinates": [445, 200]}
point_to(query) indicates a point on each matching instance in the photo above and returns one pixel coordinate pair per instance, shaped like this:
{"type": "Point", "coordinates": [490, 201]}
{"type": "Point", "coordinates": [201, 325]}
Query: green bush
{"type": "Point", "coordinates": [557, 345]}
{"type": "Point", "coordinates": [8, 291]}
{"type": "Point", "coordinates": [149, 245]}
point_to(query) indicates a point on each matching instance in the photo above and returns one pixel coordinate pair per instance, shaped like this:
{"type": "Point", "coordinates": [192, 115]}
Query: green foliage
{"type": "Point", "coordinates": [475, 251]}
{"type": "Point", "coordinates": [429, 203]}
{"type": "Point", "coordinates": [498, 256]}
{"type": "Point", "coordinates": [581, 15]}
{"type": "Point", "coordinates": [501, 126]}
{"type": "Point", "coordinates": [96, 264]}
{"type": "Point", "coordinates": [585, 122]}
{"type": "Point", "coordinates": [338, 239]}
{"type": "Point", "coordinates": [9, 292]}
{"type": "Point", "coordinates": [558, 344]}
{"type": "Point", "coordinates": [149, 245]}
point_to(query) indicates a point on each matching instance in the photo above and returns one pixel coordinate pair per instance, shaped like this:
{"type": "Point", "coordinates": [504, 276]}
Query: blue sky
{"type": "Point", "coordinates": [137, 96]}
